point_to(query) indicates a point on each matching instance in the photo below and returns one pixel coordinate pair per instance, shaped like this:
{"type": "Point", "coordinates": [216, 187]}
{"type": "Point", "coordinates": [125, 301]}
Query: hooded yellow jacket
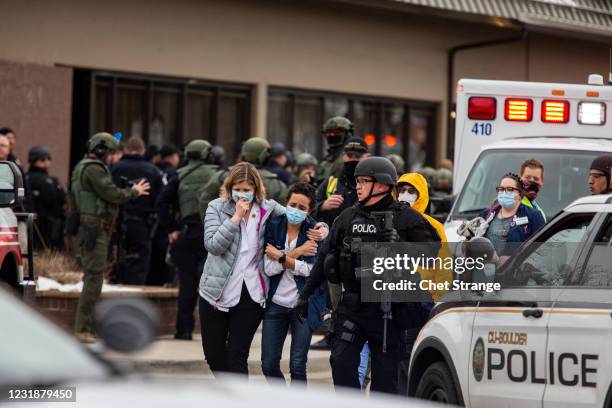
{"type": "Point", "coordinates": [435, 275]}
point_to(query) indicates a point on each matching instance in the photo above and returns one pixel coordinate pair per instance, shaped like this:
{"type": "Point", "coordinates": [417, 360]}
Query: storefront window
{"type": "Point", "coordinates": [307, 134]}
{"type": "Point", "coordinates": [170, 110]}
{"type": "Point", "coordinates": [295, 118]}
{"type": "Point", "coordinates": [163, 127]}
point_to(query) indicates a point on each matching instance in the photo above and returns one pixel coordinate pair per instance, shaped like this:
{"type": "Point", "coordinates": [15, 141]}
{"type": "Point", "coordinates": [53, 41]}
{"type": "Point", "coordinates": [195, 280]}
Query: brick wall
{"type": "Point", "coordinates": [60, 307]}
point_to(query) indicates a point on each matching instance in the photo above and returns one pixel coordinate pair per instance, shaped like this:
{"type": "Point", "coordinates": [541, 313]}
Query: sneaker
{"type": "Point", "coordinates": [323, 344]}
{"type": "Point", "coordinates": [86, 337]}
{"type": "Point", "coordinates": [183, 336]}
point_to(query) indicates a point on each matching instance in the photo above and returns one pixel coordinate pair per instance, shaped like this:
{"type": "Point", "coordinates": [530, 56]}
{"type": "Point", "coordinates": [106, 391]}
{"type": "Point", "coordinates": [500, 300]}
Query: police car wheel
{"type": "Point", "coordinates": [437, 384]}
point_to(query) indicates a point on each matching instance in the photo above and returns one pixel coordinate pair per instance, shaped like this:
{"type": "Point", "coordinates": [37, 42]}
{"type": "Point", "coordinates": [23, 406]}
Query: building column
{"type": "Point", "coordinates": [260, 110]}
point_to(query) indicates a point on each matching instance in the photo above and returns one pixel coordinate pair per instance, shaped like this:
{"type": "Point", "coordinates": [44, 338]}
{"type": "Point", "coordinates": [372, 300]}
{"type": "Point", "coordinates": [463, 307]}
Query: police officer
{"type": "Point", "coordinates": [49, 198]}
{"type": "Point", "coordinates": [337, 131]}
{"type": "Point", "coordinates": [138, 216]}
{"type": "Point", "coordinates": [397, 161]}
{"type": "Point", "coordinates": [337, 193]}
{"type": "Point", "coordinates": [256, 151]}
{"type": "Point", "coordinates": [334, 195]}
{"type": "Point", "coordinates": [96, 198]}
{"type": "Point", "coordinates": [357, 322]}
{"type": "Point", "coordinates": [170, 158]}
{"type": "Point", "coordinates": [187, 236]}
{"type": "Point", "coordinates": [277, 162]}
{"type": "Point", "coordinates": [306, 168]}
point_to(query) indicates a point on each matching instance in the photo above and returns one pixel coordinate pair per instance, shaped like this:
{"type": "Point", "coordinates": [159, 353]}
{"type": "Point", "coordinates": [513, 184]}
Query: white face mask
{"type": "Point", "coordinates": [406, 197]}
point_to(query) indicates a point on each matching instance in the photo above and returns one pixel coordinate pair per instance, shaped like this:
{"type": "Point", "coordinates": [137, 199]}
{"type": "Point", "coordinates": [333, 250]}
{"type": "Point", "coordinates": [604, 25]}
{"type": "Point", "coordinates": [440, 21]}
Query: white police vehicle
{"type": "Point", "coordinates": [545, 345]}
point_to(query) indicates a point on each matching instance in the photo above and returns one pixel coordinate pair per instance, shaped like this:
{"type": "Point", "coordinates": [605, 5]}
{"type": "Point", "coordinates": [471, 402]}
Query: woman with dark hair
{"type": "Point", "coordinates": [509, 220]}
{"type": "Point", "coordinates": [290, 255]}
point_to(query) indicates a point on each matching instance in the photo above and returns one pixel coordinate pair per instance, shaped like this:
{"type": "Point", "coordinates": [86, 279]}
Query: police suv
{"type": "Point", "coordinates": [546, 344]}
{"type": "Point", "coordinates": [500, 124]}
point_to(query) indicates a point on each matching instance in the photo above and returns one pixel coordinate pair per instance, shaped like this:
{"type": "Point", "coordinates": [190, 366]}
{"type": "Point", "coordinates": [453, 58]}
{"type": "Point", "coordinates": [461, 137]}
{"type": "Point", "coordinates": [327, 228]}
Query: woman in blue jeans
{"type": "Point", "coordinates": [289, 257]}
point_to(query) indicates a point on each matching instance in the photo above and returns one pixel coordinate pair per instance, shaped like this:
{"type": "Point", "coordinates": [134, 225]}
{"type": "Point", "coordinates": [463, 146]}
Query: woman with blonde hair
{"type": "Point", "coordinates": [233, 287]}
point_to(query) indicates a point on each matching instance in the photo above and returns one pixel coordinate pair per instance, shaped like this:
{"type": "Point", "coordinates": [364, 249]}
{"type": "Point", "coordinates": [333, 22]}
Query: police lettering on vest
{"type": "Point", "coordinates": [363, 228]}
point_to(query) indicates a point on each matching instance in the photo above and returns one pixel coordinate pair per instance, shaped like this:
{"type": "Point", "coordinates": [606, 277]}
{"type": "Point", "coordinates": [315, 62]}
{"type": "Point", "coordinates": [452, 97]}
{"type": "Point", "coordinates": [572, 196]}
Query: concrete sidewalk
{"type": "Point", "coordinates": [167, 356]}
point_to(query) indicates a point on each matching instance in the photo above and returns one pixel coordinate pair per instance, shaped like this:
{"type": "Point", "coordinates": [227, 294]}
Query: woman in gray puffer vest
{"type": "Point", "coordinates": [233, 287]}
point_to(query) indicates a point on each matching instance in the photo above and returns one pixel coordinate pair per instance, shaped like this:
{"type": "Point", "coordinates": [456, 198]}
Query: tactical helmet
{"type": "Point", "coordinates": [102, 143]}
{"type": "Point", "coordinates": [430, 175]}
{"type": "Point", "coordinates": [397, 161]}
{"type": "Point", "coordinates": [38, 152]}
{"type": "Point", "coordinates": [379, 168]}
{"type": "Point", "coordinates": [444, 179]}
{"type": "Point", "coordinates": [197, 149]}
{"type": "Point", "coordinates": [338, 123]}
{"type": "Point", "coordinates": [217, 155]}
{"type": "Point", "coordinates": [255, 150]}
{"type": "Point", "coordinates": [306, 159]}
{"type": "Point", "coordinates": [277, 149]}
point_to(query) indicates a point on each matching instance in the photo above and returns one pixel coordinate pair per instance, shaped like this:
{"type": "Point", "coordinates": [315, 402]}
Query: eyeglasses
{"type": "Point", "coordinates": [508, 189]}
{"type": "Point", "coordinates": [596, 175]}
{"type": "Point", "coordinates": [364, 180]}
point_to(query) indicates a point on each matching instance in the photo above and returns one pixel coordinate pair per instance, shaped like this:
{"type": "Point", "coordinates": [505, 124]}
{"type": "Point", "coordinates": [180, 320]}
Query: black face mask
{"type": "Point", "coordinates": [531, 189]}
{"type": "Point", "coordinates": [349, 168]}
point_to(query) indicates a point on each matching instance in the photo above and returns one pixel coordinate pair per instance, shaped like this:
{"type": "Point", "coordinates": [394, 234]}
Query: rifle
{"type": "Point", "coordinates": [385, 218]}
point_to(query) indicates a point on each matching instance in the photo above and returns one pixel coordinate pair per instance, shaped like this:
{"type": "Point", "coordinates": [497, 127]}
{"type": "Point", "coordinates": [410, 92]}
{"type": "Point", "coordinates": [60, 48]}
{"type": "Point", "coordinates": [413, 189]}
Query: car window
{"type": "Point", "coordinates": [34, 351]}
{"type": "Point", "coordinates": [597, 271]}
{"type": "Point", "coordinates": [548, 261]}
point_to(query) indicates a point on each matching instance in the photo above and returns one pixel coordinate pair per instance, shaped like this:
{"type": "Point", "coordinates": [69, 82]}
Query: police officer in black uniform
{"type": "Point", "coordinates": [138, 216]}
{"type": "Point", "coordinates": [49, 198]}
{"type": "Point", "coordinates": [357, 322]}
{"type": "Point", "coordinates": [170, 158]}
{"type": "Point", "coordinates": [334, 195]}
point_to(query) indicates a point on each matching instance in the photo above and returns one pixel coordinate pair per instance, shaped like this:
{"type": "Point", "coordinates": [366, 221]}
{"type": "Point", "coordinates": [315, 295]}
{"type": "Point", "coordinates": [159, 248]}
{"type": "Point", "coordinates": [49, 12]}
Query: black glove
{"type": "Point", "coordinates": [390, 235]}
{"type": "Point", "coordinates": [301, 310]}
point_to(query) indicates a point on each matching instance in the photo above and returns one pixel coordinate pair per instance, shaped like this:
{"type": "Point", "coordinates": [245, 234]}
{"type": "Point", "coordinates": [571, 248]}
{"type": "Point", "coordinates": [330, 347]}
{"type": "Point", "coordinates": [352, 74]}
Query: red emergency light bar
{"type": "Point", "coordinates": [555, 111]}
{"type": "Point", "coordinates": [482, 108]}
{"type": "Point", "coordinates": [518, 110]}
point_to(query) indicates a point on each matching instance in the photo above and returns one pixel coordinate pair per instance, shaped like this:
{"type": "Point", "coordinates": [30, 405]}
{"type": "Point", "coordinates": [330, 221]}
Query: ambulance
{"type": "Point", "coordinates": [15, 230]}
{"type": "Point", "coordinates": [500, 124]}
{"type": "Point", "coordinates": [544, 344]}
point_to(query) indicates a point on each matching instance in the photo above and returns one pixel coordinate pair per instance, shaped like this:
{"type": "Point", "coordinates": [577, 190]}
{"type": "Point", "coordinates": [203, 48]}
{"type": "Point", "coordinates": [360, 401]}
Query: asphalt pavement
{"type": "Point", "coordinates": [168, 357]}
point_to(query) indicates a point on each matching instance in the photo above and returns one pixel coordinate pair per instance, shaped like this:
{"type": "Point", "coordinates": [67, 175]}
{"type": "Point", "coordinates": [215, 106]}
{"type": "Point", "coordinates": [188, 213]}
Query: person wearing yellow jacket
{"type": "Point", "coordinates": [412, 189]}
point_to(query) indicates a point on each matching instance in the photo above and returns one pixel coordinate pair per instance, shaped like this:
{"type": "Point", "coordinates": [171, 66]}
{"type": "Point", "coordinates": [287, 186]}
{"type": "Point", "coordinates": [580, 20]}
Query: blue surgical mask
{"type": "Point", "coordinates": [506, 199]}
{"type": "Point", "coordinates": [295, 216]}
{"type": "Point", "coordinates": [236, 195]}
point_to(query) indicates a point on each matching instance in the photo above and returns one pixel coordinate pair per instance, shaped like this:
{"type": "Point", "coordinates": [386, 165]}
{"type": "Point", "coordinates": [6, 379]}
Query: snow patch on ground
{"type": "Point", "coordinates": [43, 283]}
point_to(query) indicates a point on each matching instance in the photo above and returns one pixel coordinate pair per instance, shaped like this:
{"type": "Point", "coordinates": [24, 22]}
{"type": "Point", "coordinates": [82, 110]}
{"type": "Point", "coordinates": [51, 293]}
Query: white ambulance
{"type": "Point", "coordinates": [546, 344]}
{"type": "Point", "coordinates": [500, 124]}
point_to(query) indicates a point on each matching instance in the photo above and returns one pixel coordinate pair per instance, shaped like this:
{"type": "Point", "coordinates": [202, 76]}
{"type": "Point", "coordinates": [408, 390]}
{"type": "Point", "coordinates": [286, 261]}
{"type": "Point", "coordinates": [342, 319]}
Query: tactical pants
{"type": "Point", "coordinates": [351, 331]}
{"type": "Point", "coordinates": [93, 248]}
{"type": "Point", "coordinates": [134, 267]}
{"type": "Point", "coordinates": [188, 255]}
{"type": "Point", "coordinates": [160, 272]}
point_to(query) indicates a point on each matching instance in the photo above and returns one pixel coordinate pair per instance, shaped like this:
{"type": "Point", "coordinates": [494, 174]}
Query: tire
{"type": "Point", "coordinates": [437, 384]}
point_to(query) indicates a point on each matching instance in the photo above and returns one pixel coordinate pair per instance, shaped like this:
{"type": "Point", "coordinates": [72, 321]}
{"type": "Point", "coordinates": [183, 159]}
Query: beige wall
{"type": "Point", "coordinates": [313, 45]}
{"type": "Point", "coordinates": [35, 101]}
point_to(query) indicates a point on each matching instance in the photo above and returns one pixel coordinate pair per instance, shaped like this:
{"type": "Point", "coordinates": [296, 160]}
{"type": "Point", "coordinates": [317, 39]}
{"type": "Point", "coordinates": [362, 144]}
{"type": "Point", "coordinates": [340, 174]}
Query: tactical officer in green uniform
{"type": "Point", "coordinates": [337, 131]}
{"type": "Point", "coordinates": [306, 168]}
{"type": "Point", "coordinates": [186, 236]}
{"type": "Point", "coordinates": [95, 198]}
{"type": "Point", "coordinates": [256, 151]}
